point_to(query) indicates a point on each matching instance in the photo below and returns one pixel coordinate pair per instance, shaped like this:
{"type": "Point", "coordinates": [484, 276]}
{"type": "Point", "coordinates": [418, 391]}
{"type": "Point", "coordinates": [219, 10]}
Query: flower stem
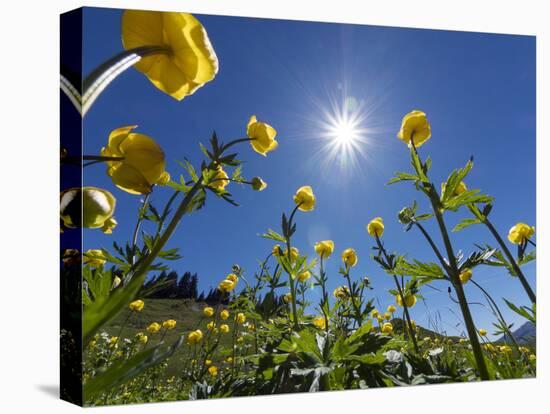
{"type": "Point", "coordinates": [402, 296]}
{"type": "Point", "coordinates": [461, 296]}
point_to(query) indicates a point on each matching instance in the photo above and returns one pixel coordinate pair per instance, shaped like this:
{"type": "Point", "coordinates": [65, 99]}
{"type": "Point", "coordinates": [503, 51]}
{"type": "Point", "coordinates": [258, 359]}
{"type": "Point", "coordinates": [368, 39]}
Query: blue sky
{"type": "Point", "coordinates": [478, 91]}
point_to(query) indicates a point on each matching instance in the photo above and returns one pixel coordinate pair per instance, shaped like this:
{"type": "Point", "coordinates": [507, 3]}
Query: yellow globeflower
{"type": "Point", "coordinates": [211, 325]}
{"type": "Point", "coordinates": [376, 227]}
{"type": "Point", "coordinates": [208, 311]}
{"type": "Point", "coordinates": [94, 258]}
{"type": "Point", "coordinates": [304, 198]}
{"type": "Point", "coordinates": [116, 282]}
{"type": "Point", "coordinates": [520, 233]}
{"type": "Point", "coordinates": [341, 292]}
{"type": "Point", "coordinates": [482, 332]}
{"type": "Point", "coordinates": [190, 60]}
{"type": "Point", "coordinates": [109, 225]}
{"type": "Point", "coordinates": [262, 136]}
{"type": "Point", "coordinates": [169, 324]}
{"type": "Point", "coordinates": [287, 297]}
{"type": "Point", "coordinates": [532, 357]}
{"type": "Point", "coordinates": [194, 336]}
{"type": "Point", "coordinates": [226, 285]}
{"type": "Point", "coordinates": [391, 309]}
{"type": "Point", "coordinates": [387, 316]}
{"type": "Point", "coordinates": [233, 277]}
{"type": "Point", "coordinates": [213, 370]}
{"type": "Point", "coordinates": [374, 313]}
{"type": "Point", "coordinates": [465, 276]}
{"type": "Point", "coordinates": [141, 338]}
{"type": "Point", "coordinates": [137, 305]}
{"type": "Point", "coordinates": [258, 184]}
{"type": "Point", "coordinates": [224, 314]}
{"type": "Point", "coordinates": [303, 276]}
{"type": "Point", "coordinates": [349, 257]}
{"type": "Point", "coordinates": [241, 318]}
{"type": "Point", "coordinates": [89, 207]}
{"type": "Point", "coordinates": [141, 164]}
{"type": "Point", "coordinates": [387, 328]}
{"type": "Point", "coordinates": [294, 253]}
{"type": "Point", "coordinates": [324, 248]}
{"type": "Point", "coordinates": [410, 300]}
{"type": "Point", "coordinates": [219, 180]}
{"type": "Point", "coordinates": [153, 328]}
{"type": "Point", "coordinates": [320, 322]}
{"type": "Point", "coordinates": [277, 251]}
{"type": "Point", "coordinates": [224, 328]}
{"type": "Point", "coordinates": [415, 127]}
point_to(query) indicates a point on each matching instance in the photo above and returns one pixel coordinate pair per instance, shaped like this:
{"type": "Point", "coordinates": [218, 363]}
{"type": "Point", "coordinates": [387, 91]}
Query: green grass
{"type": "Point", "coordinates": [186, 312]}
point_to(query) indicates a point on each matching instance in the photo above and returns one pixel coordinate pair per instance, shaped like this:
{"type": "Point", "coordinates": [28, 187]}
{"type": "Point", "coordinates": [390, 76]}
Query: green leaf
{"type": "Point", "coordinates": [401, 176]}
{"type": "Point", "coordinates": [418, 269]}
{"type": "Point", "coordinates": [467, 222]}
{"type": "Point", "coordinates": [273, 235]}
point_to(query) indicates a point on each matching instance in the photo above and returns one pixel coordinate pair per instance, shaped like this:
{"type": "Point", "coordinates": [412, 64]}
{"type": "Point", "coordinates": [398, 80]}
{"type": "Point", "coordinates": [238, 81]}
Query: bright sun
{"type": "Point", "coordinates": [344, 132]}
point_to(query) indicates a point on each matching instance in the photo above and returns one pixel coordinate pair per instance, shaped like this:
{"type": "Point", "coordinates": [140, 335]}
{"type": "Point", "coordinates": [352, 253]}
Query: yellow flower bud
{"type": "Point", "coordinates": [287, 297]}
{"type": "Point", "coordinates": [219, 180]}
{"type": "Point", "coordinates": [277, 251]}
{"type": "Point", "coordinates": [375, 228]}
{"type": "Point", "coordinates": [191, 61]}
{"type": "Point", "coordinates": [465, 276]}
{"type": "Point", "coordinates": [141, 338]}
{"type": "Point", "coordinates": [391, 309]}
{"type": "Point", "coordinates": [387, 316]}
{"type": "Point", "coordinates": [153, 328]}
{"type": "Point", "coordinates": [116, 282]}
{"type": "Point", "coordinates": [519, 233]}
{"type": "Point", "coordinates": [210, 325]}
{"type": "Point", "coordinates": [233, 277]}
{"type": "Point", "coordinates": [213, 370]}
{"type": "Point", "coordinates": [208, 311]}
{"type": "Point", "coordinates": [324, 248]}
{"type": "Point", "coordinates": [241, 318]}
{"type": "Point", "coordinates": [320, 322]}
{"type": "Point", "coordinates": [224, 328]}
{"type": "Point", "coordinates": [304, 198]}
{"type": "Point", "coordinates": [164, 178]}
{"type": "Point", "coordinates": [482, 332]}
{"type": "Point", "coordinates": [169, 324]}
{"type": "Point", "coordinates": [226, 285]}
{"type": "Point", "coordinates": [194, 336]}
{"type": "Point", "coordinates": [224, 314]}
{"type": "Point", "coordinates": [262, 136]}
{"type": "Point", "coordinates": [207, 362]}
{"type": "Point", "coordinates": [387, 328]}
{"type": "Point", "coordinates": [94, 258]}
{"type": "Point", "coordinates": [303, 276]}
{"type": "Point", "coordinates": [137, 305]}
{"type": "Point", "coordinates": [532, 357]}
{"type": "Point", "coordinates": [410, 300]}
{"type": "Point", "coordinates": [349, 257]}
{"type": "Point", "coordinates": [294, 253]}
{"type": "Point", "coordinates": [415, 127]}
{"type": "Point", "coordinates": [459, 189]}
{"type": "Point", "coordinates": [109, 225]}
{"type": "Point", "coordinates": [375, 313]}
{"type": "Point", "coordinates": [341, 292]}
